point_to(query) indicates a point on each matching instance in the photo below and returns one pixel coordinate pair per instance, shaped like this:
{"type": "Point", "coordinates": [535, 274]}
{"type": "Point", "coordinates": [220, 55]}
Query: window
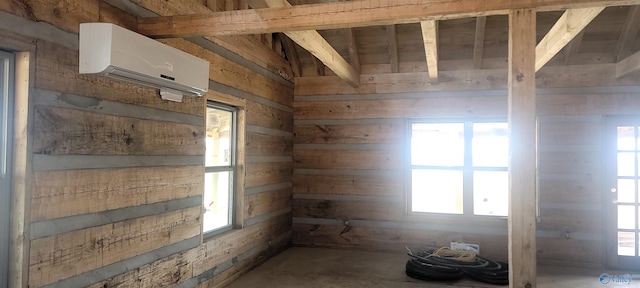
{"type": "Point", "coordinates": [459, 167]}
{"type": "Point", "coordinates": [6, 144]}
{"type": "Point", "coordinates": [220, 168]}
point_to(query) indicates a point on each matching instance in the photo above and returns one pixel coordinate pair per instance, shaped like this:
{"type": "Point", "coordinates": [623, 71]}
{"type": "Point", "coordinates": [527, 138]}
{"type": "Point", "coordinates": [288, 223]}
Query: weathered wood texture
{"type": "Point", "coordinates": [64, 255]}
{"type": "Point", "coordinates": [486, 79]}
{"type": "Point", "coordinates": [66, 131]}
{"type": "Point", "coordinates": [250, 76]}
{"type": "Point", "coordinates": [522, 142]}
{"type": "Point", "coordinates": [335, 15]}
{"type": "Point", "coordinates": [181, 267]}
{"type": "Point", "coordinates": [65, 193]}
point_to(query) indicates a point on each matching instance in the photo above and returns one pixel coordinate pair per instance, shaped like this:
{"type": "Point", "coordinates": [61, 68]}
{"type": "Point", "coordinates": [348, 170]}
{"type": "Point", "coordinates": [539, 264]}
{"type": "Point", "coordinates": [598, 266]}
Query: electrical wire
{"type": "Point", "coordinates": [445, 264]}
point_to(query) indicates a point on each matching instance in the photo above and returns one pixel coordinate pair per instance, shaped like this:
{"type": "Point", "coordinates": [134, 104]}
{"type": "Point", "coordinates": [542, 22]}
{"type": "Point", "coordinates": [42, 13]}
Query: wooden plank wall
{"type": "Point", "coordinates": [117, 173]}
{"type": "Point", "coordinates": [349, 180]}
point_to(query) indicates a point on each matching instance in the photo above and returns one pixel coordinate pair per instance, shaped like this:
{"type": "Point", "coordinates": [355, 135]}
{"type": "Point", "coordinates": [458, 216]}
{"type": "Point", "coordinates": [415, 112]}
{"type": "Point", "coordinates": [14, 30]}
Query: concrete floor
{"type": "Point", "coordinates": [319, 268]}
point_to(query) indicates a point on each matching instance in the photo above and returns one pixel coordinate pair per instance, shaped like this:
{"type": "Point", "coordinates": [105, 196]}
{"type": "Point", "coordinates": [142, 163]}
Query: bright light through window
{"type": "Point", "coordinates": [219, 168]}
{"type": "Point", "coordinates": [457, 160]}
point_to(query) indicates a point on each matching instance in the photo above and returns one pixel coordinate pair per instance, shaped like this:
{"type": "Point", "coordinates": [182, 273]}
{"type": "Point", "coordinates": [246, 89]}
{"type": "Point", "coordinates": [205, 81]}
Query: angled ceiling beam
{"type": "Point", "coordinates": [430, 39]}
{"type": "Point", "coordinates": [354, 56]}
{"type": "Point", "coordinates": [570, 24]}
{"type": "Point", "coordinates": [629, 65]}
{"type": "Point", "coordinates": [628, 34]}
{"type": "Point", "coordinates": [313, 42]}
{"type": "Point", "coordinates": [335, 15]}
{"type": "Point", "coordinates": [478, 45]}
{"type": "Point", "coordinates": [393, 48]}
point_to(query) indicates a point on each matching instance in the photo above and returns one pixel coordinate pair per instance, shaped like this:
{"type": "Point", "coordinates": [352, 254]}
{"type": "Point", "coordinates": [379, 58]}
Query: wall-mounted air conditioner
{"type": "Point", "coordinates": [116, 52]}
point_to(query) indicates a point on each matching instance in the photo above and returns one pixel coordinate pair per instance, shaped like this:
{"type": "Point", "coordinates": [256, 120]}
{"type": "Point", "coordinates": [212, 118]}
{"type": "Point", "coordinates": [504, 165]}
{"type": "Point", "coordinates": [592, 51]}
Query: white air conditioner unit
{"type": "Point", "coordinates": [110, 50]}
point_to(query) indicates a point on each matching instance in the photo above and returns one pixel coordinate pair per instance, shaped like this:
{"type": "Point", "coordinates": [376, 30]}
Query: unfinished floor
{"type": "Point", "coordinates": [319, 267]}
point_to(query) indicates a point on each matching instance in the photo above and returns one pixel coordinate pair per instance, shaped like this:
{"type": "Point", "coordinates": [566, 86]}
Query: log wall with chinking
{"type": "Point", "coordinates": [116, 174]}
{"type": "Point", "coordinates": [349, 168]}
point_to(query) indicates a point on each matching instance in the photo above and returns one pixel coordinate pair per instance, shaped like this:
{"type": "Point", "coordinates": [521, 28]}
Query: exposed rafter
{"type": "Point", "coordinates": [478, 45]}
{"type": "Point", "coordinates": [430, 39]}
{"type": "Point", "coordinates": [393, 49]}
{"type": "Point", "coordinates": [570, 24]}
{"type": "Point", "coordinates": [628, 34]}
{"type": "Point", "coordinates": [629, 65]}
{"type": "Point", "coordinates": [336, 15]}
{"type": "Point", "coordinates": [313, 42]}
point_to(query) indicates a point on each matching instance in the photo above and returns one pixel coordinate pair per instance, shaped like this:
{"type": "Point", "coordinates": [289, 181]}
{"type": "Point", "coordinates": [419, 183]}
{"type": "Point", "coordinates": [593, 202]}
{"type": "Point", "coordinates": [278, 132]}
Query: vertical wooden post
{"type": "Point", "coordinates": [20, 194]}
{"type": "Point", "coordinates": [522, 154]}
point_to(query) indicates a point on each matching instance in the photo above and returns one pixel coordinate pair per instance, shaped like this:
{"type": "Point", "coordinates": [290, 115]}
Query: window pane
{"type": "Point", "coordinates": [436, 191]}
{"type": "Point", "coordinates": [626, 164]}
{"type": "Point", "coordinates": [626, 139]}
{"type": "Point", "coordinates": [437, 144]}
{"type": "Point", "coordinates": [490, 145]}
{"type": "Point", "coordinates": [218, 141]}
{"type": "Point", "coordinates": [491, 193]}
{"type": "Point", "coordinates": [626, 190]}
{"type": "Point", "coordinates": [626, 243]}
{"type": "Point", "coordinates": [217, 200]}
{"type": "Point", "coordinates": [626, 217]}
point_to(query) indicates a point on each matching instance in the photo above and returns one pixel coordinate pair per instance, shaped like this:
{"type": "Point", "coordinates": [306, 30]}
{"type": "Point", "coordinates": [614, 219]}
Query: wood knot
{"type": "Point", "coordinates": [528, 285]}
{"type": "Point", "coordinates": [519, 77]}
{"type": "Point", "coordinates": [57, 13]}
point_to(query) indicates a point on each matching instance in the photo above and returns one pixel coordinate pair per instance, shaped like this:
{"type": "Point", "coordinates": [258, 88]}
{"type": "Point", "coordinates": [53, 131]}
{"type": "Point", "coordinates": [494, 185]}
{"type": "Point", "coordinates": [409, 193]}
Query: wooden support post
{"type": "Point", "coordinates": [21, 190]}
{"type": "Point", "coordinates": [522, 144]}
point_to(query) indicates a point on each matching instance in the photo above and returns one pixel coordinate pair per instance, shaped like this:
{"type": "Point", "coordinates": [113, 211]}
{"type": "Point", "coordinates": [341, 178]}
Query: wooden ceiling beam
{"type": "Point", "coordinates": [430, 39]}
{"type": "Point", "coordinates": [628, 34]}
{"type": "Point", "coordinates": [570, 24]}
{"type": "Point", "coordinates": [393, 49]}
{"type": "Point", "coordinates": [313, 42]}
{"type": "Point", "coordinates": [478, 45]}
{"type": "Point", "coordinates": [347, 14]}
{"type": "Point", "coordinates": [628, 65]}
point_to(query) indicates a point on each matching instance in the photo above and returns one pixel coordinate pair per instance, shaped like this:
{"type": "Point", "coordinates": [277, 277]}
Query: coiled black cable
{"type": "Point", "coordinates": [425, 265]}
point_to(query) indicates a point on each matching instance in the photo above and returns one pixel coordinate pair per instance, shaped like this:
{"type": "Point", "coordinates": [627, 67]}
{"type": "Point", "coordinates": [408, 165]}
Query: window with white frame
{"type": "Point", "coordinates": [220, 168]}
{"type": "Point", "coordinates": [459, 167]}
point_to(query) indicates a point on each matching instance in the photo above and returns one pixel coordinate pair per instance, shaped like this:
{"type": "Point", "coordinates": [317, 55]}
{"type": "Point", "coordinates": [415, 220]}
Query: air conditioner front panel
{"type": "Point", "coordinates": [134, 57]}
